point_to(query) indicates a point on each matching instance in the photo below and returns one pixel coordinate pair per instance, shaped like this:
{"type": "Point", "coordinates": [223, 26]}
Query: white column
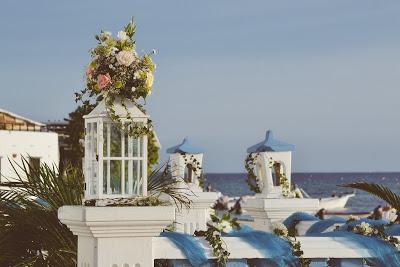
{"type": "Point", "coordinates": [116, 236]}
{"type": "Point", "coordinates": [196, 217]}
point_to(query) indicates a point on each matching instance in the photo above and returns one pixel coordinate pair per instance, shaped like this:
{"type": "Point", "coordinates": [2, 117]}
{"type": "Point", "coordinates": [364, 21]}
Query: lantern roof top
{"type": "Point", "coordinates": [185, 147]}
{"type": "Point", "coordinates": [101, 110]}
{"type": "Point", "coordinates": [270, 144]}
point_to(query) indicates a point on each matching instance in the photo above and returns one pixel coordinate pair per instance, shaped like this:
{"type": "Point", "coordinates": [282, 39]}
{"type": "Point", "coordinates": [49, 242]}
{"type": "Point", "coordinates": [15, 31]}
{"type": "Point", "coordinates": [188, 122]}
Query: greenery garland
{"type": "Point", "coordinates": [214, 232]}
{"type": "Point", "coordinates": [365, 229]}
{"type": "Point", "coordinates": [194, 164]}
{"type": "Point", "coordinates": [250, 165]}
{"type": "Point", "coordinates": [280, 230]}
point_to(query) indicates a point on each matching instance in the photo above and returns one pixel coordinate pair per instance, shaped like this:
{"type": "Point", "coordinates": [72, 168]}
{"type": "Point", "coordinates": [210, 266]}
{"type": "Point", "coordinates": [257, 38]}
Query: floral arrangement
{"type": "Point", "coordinates": [218, 226]}
{"type": "Point", "coordinates": [280, 230]}
{"type": "Point", "coordinates": [117, 71]}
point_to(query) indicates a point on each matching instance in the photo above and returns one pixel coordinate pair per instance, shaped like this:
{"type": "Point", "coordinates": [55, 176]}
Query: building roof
{"type": "Point", "coordinates": [9, 113]}
{"type": "Point", "coordinates": [270, 144]}
{"type": "Point", "coordinates": [185, 147]}
{"type": "Point", "coordinates": [101, 111]}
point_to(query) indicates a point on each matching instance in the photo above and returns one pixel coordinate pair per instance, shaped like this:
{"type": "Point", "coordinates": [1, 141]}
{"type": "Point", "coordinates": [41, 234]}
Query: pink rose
{"type": "Point", "coordinates": [89, 72]}
{"type": "Point", "coordinates": [103, 80]}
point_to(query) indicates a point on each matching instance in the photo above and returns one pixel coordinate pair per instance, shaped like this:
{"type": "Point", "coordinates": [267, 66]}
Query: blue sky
{"type": "Point", "coordinates": [324, 75]}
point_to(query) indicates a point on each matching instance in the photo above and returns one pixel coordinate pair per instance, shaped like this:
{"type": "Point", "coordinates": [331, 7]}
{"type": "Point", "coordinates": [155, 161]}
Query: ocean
{"type": "Point", "coordinates": [317, 185]}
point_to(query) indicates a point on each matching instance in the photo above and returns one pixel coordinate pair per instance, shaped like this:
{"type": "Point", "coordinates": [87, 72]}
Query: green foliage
{"type": "Point", "coordinates": [161, 182]}
{"type": "Point", "coordinates": [76, 131]}
{"type": "Point", "coordinates": [251, 180]}
{"type": "Point", "coordinates": [30, 232]}
{"type": "Point", "coordinates": [380, 191]}
{"type": "Point", "coordinates": [153, 152]}
{"type": "Point", "coordinates": [213, 235]}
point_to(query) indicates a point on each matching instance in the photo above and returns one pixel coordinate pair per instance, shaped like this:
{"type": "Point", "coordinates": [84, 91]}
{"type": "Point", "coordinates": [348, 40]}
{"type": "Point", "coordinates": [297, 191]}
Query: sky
{"type": "Point", "coordinates": [322, 74]}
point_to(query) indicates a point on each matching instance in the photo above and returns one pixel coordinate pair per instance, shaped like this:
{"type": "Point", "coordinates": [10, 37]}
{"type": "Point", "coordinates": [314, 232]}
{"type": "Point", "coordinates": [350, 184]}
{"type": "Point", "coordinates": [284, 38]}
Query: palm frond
{"type": "Point", "coordinates": [161, 181]}
{"type": "Point", "coordinates": [30, 232]}
{"type": "Point", "coordinates": [380, 191]}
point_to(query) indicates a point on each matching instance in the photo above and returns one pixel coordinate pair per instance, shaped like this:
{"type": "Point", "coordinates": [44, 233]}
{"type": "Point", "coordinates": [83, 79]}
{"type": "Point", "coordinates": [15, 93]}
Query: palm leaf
{"type": "Point", "coordinates": [161, 181]}
{"type": "Point", "coordinates": [30, 232]}
{"type": "Point", "coordinates": [380, 191]}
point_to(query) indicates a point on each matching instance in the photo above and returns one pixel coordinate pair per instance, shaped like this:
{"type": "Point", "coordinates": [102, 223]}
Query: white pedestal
{"type": "Point", "coordinates": [195, 218]}
{"type": "Point", "coordinates": [116, 236]}
{"type": "Point", "coordinates": [268, 210]}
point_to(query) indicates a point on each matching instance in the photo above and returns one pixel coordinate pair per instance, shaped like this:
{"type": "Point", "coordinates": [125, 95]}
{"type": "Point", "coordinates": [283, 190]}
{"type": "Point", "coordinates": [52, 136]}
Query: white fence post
{"type": "Point", "coordinates": [116, 236]}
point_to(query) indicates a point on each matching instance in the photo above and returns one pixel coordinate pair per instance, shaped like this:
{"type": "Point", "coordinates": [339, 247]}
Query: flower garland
{"type": "Point", "coordinates": [280, 230]}
{"type": "Point", "coordinates": [365, 229]}
{"type": "Point", "coordinates": [377, 231]}
{"type": "Point", "coordinates": [250, 165]}
{"type": "Point", "coordinates": [117, 71]}
{"type": "Point", "coordinates": [214, 232]}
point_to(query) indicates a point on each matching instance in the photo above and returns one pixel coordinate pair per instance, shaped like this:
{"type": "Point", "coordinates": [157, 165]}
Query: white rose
{"type": "Point", "coordinates": [122, 36]}
{"type": "Point", "coordinates": [125, 58]}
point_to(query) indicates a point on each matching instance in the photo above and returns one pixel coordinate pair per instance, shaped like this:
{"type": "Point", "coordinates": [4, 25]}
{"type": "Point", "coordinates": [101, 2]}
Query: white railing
{"type": "Point", "coordinates": [316, 248]}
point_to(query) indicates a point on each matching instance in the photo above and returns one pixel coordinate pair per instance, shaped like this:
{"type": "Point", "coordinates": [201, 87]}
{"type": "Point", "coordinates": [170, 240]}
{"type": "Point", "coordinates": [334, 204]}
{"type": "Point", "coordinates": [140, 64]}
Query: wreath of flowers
{"type": "Point", "coordinates": [250, 165]}
{"type": "Point", "coordinates": [117, 71]}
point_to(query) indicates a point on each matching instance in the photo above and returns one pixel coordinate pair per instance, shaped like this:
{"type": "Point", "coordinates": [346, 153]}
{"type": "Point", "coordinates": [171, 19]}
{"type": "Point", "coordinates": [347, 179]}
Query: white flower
{"type": "Point", "coordinates": [122, 36]}
{"type": "Point", "coordinates": [223, 226]}
{"type": "Point", "coordinates": [113, 50]}
{"type": "Point", "coordinates": [279, 229]}
{"type": "Point", "coordinates": [364, 228]}
{"type": "Point", "coordinates": [226, 226]}
{"type": "Point", "coordinates": [133, 89]}
{"type": "Point", "coordinates": [125, 58]}
{"type": "Point", "coordinates": [104, 35]}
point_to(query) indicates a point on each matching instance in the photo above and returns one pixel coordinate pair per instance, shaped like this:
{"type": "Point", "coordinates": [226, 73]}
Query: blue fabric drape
{"type": "Point", "coordinates": [290, 222]}
{"type": "Point", "coordinates": [322, 225]}
{"type": "Point", "coordinates": [189, 246]}
{"type": "Point", "coordinates": [393, 230]}
{"type": "Point", "coordinates": [383, 253]}
{"type": "Point", "coordinates": [275, 249]}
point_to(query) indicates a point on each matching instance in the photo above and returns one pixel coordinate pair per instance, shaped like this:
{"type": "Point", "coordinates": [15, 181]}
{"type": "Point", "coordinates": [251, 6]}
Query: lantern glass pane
{"type": "Point", "coordinates": [93, 187]}
{"type": "Point", "coordinates": [135, 177]}
{"type": "Point", "coordinates": [106, 165]}
{"type": "Point", "coordinates": [126, 176]}
{"type": "Point", "coordinates": [141, 146]}
{"type": "Point", "coordinates": [135, 148]}
{"type": "Point", "coordinates": [94, 136]}
{"type": "Point", "coordinates": [126, 145]}
{"type": "Point", "coordinates": [115, 138]}
{"type": "Point", "coordinates": [115, 176]}
{"type": "Point", "coordinates": [106, 127]}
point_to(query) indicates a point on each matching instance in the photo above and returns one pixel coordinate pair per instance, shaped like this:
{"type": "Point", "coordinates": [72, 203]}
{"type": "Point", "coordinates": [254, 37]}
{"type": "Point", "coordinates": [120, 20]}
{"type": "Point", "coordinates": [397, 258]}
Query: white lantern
{"type": "Point", "coordinates": [186, 163]}
{"type": "Point", "coordinates": [115, 163]}
{"type": "Point", "coordinates": [271, 151]}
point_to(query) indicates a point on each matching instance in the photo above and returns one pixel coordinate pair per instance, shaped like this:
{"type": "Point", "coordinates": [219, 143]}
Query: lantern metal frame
{"type": "Point", "coordinates": [99, 157]}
